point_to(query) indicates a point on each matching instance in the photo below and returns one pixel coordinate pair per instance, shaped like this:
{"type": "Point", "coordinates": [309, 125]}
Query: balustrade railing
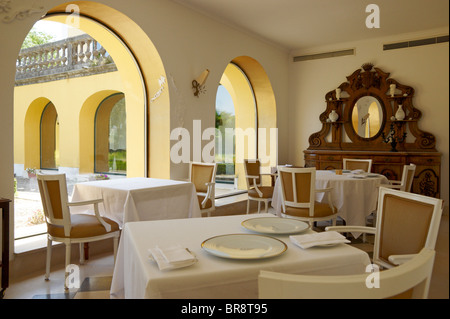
{"type": "Point", "coordinates": [80, 55]}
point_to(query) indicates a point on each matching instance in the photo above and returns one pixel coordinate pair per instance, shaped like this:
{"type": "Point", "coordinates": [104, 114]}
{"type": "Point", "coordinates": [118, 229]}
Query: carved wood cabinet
{"type": "Point", "coordinates": [372, 116]}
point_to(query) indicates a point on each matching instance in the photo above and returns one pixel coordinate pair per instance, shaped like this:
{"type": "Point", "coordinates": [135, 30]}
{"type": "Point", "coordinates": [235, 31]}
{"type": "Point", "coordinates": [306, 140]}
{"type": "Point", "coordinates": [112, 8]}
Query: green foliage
{"type": "Point", "coordinates": [35, 38]}
{"type": "Point", "coordinates": [225, 169]}
{"type": "Point", "coordinates": [121, 160]}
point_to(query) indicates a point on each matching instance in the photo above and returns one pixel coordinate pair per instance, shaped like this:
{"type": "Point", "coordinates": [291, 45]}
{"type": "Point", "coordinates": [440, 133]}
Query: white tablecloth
{"type": "Point", "coordinates": [354, 198]}
{"type": "Point", "coordinates": [139, 198]}
{"type": "Point", "coordinates": [137, 276]}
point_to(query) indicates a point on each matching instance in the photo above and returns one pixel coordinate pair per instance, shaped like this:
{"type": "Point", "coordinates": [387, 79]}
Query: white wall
{"type": "Point", "coordinates": [425, 68]}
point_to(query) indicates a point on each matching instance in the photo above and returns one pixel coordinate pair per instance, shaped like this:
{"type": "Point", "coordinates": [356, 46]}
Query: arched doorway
{"type": "Point", "coordinates": [49, 137]}
{"type": "Point", "coordinates": [110, 136]}
{"type": "Point", "coordinates": [255, 114]}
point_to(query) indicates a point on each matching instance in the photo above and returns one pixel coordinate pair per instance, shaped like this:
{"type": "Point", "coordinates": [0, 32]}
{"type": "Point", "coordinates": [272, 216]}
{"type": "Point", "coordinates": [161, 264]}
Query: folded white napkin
{"type": "Point", "coordinates": [172, 257]}
{"type": "Point", "coordinates": [358, 171]}
{"type": "Point", "coordinates": [318, 239]}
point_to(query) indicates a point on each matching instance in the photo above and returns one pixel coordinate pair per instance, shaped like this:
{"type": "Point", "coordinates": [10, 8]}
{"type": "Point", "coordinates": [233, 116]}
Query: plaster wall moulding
{"type": "Point", "coordinates": [9, 13]}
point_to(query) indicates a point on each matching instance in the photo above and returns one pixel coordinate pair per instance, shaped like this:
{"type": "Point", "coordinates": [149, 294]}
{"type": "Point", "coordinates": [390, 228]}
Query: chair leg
{"type": "Point", "coordinates": [259, 206]}
{"type": "Point", "coordinates": [248, 206]}
{"type": "Point", "coordinates": [86, 251]}
{"type": "Point", "coordinates": [266, 206]}
{"type": "Point", "coordinates": [116, 244]}
{"type": "Point", "coordinates": [67, 263]}
{"type": "Point", "coordinates": [49, 259]}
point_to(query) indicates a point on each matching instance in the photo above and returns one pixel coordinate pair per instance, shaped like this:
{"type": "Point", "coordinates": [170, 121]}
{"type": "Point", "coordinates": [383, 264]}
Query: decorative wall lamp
{"type": "Point", "coordinates": [199, 82]}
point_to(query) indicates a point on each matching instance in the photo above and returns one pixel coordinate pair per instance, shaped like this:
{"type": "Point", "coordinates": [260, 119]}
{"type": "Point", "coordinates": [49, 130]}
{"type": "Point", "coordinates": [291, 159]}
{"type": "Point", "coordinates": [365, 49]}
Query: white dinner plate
{"type": "Point", "coordinates": [275, 225]}
{"type": "Point", "coordinates": [244, 246]}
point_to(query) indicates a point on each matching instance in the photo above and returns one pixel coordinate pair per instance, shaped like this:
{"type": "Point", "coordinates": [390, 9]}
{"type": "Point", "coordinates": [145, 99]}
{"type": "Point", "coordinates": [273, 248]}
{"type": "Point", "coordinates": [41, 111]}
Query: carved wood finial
{"type": "Point", "coordinates": [367, 67]}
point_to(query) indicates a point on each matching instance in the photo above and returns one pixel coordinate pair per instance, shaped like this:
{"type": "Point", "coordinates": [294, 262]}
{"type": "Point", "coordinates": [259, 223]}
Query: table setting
{"type": "Point", "coordinates": [220, 257]}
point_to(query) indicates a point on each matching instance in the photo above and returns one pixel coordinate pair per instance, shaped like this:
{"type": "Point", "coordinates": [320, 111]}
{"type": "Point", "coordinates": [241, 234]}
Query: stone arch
{"type": "Point", "coordinates": [143, 87]}
{"type": "Point", "coordinates": [87, 129]}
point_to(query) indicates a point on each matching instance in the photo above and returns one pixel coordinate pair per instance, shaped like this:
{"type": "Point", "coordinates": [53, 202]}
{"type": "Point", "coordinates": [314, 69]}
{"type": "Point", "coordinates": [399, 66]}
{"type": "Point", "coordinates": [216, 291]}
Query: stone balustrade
{"type": "Point", "coordinates": [72, 57]}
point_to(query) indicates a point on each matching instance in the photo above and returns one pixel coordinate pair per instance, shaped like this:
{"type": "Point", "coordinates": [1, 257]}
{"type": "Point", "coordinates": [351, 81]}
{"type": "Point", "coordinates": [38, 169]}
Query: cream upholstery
{"type": "Point", "coordinates": [410, 280]}
{"type": "Point", "coordinates": [299, 193]}
{"type": "Point", "coordinates": [83, 225]}
{"type": "Point", "coordinates": [203, 176]}
{"type": "Point", "coordinates": [352, 164]}
{"type": "Point", "coordinates": [256, 191]}
{"type": "Point", "coordinates": [67, 228]}
{"type": "Point", "coordinates": [406, 223]}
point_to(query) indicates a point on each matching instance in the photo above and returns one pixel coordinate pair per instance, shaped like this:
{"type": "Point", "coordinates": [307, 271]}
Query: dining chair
{"type": "Point", "coordinates": [256, 191]}
{"type": "Point", "coordinates": [299, 196]}
{"type": "Point", "coordinates": [352, 164]}
{"type": "Point", "coordinates": [407, 179]}
{"type": "Point", "coordinates": [404, 184]}
{"type": "Point", "coordinates": [410, 280]}
{"type": "Point", "coordinates": [67, 228]}
{"type": "Point", "coordinates": [203, 176]}
{"type": "Point", "coordinates": [406, 223]}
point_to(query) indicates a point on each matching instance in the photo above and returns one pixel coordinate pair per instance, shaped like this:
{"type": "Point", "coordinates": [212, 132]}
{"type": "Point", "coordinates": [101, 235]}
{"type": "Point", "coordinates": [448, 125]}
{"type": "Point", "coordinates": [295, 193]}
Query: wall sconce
{"type": "Point", "coordinates": [199, 82]}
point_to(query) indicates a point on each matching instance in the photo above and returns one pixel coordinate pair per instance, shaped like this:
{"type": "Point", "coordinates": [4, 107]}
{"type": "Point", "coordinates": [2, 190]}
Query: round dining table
{"type": "Point", "coordinates": [354, 195]}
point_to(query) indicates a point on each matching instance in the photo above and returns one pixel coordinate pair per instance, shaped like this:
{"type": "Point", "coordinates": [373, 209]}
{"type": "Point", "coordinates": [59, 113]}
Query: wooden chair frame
{"type": "Point", "coordinates": [345, 161]}
{"type": "Point", "coordinates": [66, 221]}
{"type": "Point", "coordinates": [257, 186]}
{"type": "Point", "coordinates": [397, 259]}
{"type": "Point", "coordinates": [407, 179]}
{"type": "Point", "coordinates": [210, 193]}
{"type": "Point", "coordinates": [310, 205]}
{"type": "Point", "coordinates": [411, 279]}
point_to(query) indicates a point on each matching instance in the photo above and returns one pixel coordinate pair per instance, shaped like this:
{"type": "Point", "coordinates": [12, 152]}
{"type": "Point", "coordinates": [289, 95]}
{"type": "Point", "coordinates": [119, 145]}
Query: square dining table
{"type": "Point", "coordinates": [137, 276]}
{"type": "Point", "coordinates": [139, 199]}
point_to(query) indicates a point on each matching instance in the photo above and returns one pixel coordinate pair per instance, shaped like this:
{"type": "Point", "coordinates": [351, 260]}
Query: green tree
{"type": "Point", "coordinates": [35, 38]}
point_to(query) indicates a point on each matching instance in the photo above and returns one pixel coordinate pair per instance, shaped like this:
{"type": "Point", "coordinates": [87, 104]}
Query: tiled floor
{"type": "Point", "coordinates": [96, 275]}
{"type": "Point", "coordinates": [95, 280]}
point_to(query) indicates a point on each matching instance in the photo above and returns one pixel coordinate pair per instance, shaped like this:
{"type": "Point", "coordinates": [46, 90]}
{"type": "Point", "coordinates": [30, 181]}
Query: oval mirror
{"type": "Point", "coordinates": [367, 116]}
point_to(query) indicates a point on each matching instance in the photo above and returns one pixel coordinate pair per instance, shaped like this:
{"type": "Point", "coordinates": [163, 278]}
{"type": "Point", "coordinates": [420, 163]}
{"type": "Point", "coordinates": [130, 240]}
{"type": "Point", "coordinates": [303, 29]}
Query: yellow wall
{"type": "Point", "coordinates": [69, 97]}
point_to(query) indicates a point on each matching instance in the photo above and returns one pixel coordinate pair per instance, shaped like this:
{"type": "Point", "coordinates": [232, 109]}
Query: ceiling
{"type": "Point", "coordinates": [300, 24]}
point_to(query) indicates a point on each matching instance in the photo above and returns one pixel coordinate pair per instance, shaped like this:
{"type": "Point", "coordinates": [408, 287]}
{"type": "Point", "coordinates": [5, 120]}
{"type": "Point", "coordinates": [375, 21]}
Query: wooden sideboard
{"type": "Point", "coordinates": [390, 164]}
{"type": "Point", "coordinates": [373, 116]}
